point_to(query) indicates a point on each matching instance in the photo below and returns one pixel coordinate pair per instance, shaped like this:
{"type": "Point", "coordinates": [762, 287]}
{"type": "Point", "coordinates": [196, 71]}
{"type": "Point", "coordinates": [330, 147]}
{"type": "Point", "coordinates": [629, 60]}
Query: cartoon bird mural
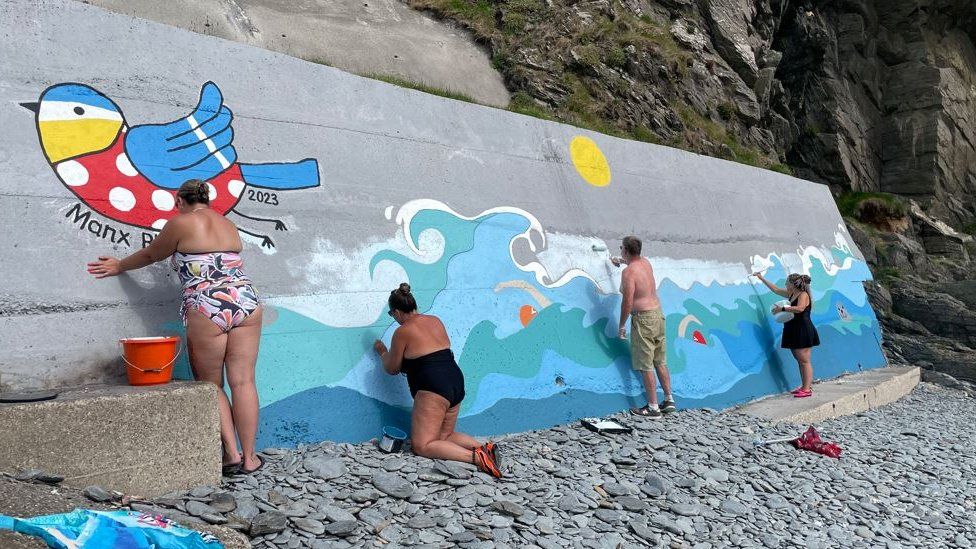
{"type": "Point", "coordinates": [132, 174]}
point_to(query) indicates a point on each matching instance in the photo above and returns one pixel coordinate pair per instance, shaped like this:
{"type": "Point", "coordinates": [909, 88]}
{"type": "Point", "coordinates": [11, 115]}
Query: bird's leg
{"type": "Point", "coordinates": [279, 224]}
{"type": "Point", "coordinates": [265, 239]}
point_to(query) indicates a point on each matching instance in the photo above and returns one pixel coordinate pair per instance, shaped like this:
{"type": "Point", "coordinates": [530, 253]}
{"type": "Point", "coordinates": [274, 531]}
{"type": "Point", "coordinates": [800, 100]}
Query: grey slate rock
{"type": "Point", "coordinates": [656, 486]}
{"type": "Point", "coordinates": [732, 507]}
{"type": "Point", "coordinates": [341, 528]}
{"type": "Point", "coordinates": [336, 514]}
{"type": "Point", "coordinates": [246, 510]}
{"type": "Point", "coordinates": [717, 475]}
{"type": "Point", "coordinates": [99, 494]}
{"type": "Point", "coordinates": [392, 485]}
{"type": "Point", "coordinates": [198, 509]}
{"type": "Point", "coordinates": [28, 475]}
{"type": "Point", "coordinates": [374, 517]}
{"type": "Point", "coordinates": [223, 502]}
{"type": "Point", "coordinates": [463, 537]}
{"type": "Point", "coordinates": [686, 509]}
{"type": "Point", "coordinates": [213, 518]}
{"type": "Point", "coordinates": [571, 504]}
{"type": "Point", "coordinates": [508, 508]}
{"type": "Point", "coordinates": [326, 467]}
{"type": "Point", "coordinates": [643, 532]}
{"type": "Point", "coordinates": [616, 489]}
{"type": "Point", "coordinates": [311, 526]}
{"type": "Point", "coordinates": [270, 522]}
{"type": "Point", "coordinates": [631, 503]}
{"type": "Point", "coordinates": [421, 522]}
{"type": "Point", "coordinates": [667, 524]}
{"type": "Point", "coordinates": [201, 491]}
{"type": "Point", "coordinates": [452, 469]}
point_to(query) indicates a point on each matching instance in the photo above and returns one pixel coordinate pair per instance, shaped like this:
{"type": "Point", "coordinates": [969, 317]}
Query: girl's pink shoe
{"type": "Point", "coordinates": [795, 391]}
{"type": "Point", "coordinates": [802, 394]}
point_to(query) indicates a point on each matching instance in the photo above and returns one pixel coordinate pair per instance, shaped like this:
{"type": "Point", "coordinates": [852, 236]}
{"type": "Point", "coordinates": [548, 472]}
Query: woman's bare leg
{"type": "Point", "coordinates": [207, 345]}
{"type": "Point", "coordinates": [448, 432]}
{"type": "Point", "coordinates": [429, 413]}
{"type": "Point", "coordinates": [242, 355]}
{"type": "Point", "coordinates": [802, 357]}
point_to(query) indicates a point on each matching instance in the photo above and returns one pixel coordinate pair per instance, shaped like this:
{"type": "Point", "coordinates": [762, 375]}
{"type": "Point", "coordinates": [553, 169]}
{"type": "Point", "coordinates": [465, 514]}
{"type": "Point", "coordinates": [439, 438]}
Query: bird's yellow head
{"type": "Point", "coordinates": [74, 120]}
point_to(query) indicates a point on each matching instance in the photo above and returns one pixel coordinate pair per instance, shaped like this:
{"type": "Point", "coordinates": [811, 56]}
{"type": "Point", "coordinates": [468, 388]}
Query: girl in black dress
{"type": "Point", "coordinates": [799, 334]}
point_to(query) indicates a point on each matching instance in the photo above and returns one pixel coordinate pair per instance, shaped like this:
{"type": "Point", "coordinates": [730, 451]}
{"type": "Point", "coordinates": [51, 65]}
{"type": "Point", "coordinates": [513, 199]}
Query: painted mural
{"type": "Point", "coordinates": [131, 175]}
{"type": "Point", "coordinates": [531, 313]}
{"type": "Point", "coordinates": [536, 339]}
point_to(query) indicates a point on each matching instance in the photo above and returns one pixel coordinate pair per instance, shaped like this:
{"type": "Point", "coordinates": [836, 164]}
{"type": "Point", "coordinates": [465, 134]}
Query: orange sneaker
{"type": "Point", "coordinates": [492, 450]}
{"type": "Point", "coordinates": [485, 464]}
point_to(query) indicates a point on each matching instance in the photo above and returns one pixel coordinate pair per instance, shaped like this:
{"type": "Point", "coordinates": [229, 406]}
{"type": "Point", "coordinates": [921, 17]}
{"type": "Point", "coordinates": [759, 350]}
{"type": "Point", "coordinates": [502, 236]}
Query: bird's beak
{"type": "Point", "coordinates": [32, 106]}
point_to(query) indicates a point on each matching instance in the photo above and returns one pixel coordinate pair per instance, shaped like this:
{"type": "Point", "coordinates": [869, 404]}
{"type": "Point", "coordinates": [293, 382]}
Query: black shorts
{"type": "Point", "coordinates": [438, 373]}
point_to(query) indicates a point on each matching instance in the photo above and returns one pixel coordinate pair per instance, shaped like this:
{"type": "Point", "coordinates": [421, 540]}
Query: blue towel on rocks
{"type": "Point", "coordinates": [87, 529]}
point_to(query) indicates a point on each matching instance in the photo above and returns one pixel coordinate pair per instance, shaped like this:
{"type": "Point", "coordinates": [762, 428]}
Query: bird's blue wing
{"type": "Point", "coordinates": [197, 146]}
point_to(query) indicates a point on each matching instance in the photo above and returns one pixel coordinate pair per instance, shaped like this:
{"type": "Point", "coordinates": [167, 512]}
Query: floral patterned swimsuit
{"type": "Point", "coordinates": [214, 284]}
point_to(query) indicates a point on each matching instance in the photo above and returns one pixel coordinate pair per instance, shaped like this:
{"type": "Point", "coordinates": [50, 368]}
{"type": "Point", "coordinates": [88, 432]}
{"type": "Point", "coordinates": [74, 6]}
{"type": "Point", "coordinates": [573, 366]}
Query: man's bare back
{"type": "Point", "coordinates": [641, 273]}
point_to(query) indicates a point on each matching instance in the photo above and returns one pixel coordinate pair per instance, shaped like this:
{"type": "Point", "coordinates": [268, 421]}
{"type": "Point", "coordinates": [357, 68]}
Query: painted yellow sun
{"type": "Point", "coordinates": [589, 161]}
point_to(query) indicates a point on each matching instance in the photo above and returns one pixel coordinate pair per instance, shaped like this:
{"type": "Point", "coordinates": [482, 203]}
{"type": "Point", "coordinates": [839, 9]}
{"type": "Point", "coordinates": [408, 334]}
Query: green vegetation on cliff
{"type": "Point", "coordinates": [602, 67]}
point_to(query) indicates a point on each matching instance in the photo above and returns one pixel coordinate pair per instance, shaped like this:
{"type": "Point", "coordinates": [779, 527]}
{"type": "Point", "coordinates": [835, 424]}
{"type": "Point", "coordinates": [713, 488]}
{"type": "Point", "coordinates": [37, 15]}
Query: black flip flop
{"type": "Point", "coordinates": [231, 469]}
{"type": "Point", "coordinates": [242, 471]}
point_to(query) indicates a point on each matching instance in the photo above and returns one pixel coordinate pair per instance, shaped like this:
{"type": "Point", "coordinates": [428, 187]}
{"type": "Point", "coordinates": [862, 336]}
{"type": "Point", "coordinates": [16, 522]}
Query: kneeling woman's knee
{"type": "Point", "coordinates": [420, 448]}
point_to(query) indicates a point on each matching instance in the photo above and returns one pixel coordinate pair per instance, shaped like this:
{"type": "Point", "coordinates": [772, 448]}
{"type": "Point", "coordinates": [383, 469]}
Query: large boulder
{"type": "Point", "coordinates": [730, 22]}
{"type": "Point", "coordinates": [940, 313]}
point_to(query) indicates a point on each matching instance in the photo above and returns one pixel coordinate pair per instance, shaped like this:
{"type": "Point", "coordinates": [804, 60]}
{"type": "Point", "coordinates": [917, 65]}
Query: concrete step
{"type": "Point", "coordinates": [838, 397]}
{"type": "Point", "coordinates": [137, 440]}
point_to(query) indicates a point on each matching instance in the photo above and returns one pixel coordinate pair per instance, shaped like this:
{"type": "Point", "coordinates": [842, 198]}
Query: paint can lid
{"type": "Point", "coordinates": [394, 433]}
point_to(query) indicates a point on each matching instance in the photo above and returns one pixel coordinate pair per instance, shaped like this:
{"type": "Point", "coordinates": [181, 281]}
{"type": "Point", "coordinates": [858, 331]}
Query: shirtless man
{"type": "Point", "coordinates": [647, 341]}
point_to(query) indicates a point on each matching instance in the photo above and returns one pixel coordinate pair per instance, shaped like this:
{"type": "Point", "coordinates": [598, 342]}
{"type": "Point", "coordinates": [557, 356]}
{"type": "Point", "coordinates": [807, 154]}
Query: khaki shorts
{"type": "Point", "coordinates": [647, 340]}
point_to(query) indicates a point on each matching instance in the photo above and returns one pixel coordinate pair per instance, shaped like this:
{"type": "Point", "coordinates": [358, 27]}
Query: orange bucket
{"type": "Point", "coordinates": [149, 360]}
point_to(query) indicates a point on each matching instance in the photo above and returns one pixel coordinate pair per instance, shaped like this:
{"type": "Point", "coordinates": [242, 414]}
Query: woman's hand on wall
{"type": "Point", "coordinates": [105, 266]}
{"type": "Point", "coordinates": [380, 347]}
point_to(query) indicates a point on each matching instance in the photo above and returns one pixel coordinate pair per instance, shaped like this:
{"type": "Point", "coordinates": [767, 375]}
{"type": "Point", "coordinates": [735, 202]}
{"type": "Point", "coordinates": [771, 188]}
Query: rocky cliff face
{"type": "Point", "coordinates": [875, 98]}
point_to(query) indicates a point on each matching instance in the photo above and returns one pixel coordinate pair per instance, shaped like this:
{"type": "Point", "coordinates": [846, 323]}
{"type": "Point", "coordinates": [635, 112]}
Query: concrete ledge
{"type": "Point", "coordinates": [137, 440]}
{"type": "Point", "coordinates": [839, 397]}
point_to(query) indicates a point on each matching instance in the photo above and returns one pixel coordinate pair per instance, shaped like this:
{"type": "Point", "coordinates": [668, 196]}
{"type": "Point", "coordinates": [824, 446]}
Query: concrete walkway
{"type": "Point", "coordinates": [138, 440]}
{"type": "Point", "coordinates": [839, 397]}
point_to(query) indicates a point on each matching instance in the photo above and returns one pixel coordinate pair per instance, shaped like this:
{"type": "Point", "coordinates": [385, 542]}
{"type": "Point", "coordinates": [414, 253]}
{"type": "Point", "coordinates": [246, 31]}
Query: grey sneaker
{"type": "Point", "coordinates": [668, 407]}
{"type": "Point", "coordinates": [646, 411]}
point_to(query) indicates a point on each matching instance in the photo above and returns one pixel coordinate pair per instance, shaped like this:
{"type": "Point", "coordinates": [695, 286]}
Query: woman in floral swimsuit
{"type": "Point", "coordinates": [220, 309]}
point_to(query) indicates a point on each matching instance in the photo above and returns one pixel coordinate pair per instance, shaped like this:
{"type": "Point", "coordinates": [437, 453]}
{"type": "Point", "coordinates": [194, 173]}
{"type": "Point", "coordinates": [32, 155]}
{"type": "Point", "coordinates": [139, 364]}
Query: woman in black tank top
{"type": "Point", "coordinates": [799, 334]}
{"type": "Point", "coordinates": [436, 385]}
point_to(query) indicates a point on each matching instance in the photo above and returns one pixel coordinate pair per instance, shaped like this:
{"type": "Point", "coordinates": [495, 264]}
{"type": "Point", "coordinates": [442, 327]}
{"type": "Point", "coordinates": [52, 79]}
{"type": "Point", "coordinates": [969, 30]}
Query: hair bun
{"type": "Point", "coordinates": [404, 289]}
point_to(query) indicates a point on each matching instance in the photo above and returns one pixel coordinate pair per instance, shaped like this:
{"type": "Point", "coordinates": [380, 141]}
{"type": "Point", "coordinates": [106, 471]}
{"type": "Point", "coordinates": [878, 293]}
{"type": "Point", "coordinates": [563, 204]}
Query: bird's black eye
{"type": "Point", "coordinates": [79, 111]}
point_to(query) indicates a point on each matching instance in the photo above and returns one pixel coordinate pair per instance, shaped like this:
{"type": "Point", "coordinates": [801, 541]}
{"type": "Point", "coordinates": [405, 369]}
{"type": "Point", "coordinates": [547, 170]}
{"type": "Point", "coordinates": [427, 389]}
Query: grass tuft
{"type": "Point", "coordinates": [419, 86]}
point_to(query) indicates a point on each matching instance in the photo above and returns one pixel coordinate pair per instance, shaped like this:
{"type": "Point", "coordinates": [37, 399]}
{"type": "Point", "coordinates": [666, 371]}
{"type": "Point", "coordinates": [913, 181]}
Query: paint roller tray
{"type": "Point", "coordinates": [608, 426]}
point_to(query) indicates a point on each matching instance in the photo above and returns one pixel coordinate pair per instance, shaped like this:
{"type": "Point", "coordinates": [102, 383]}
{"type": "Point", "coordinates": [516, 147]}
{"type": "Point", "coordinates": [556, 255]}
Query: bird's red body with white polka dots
{"type": "Point", "coordinates": [131, 174]}
{"type": "Point", "coordinates": [108, 183]}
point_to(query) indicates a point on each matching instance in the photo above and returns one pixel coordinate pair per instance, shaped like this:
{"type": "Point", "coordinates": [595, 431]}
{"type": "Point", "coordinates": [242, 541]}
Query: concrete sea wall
{"type": "Point", "coordinates": [344, 187]}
